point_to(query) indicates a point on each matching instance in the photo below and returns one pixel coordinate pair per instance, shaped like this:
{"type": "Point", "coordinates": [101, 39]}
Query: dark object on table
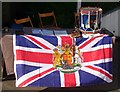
{"type": "Point", "coordinates": [9, 77]}
{"type": "Point", "coordinates": [76, 32]}
{"type": "Point", "coordinates": [4, 68]}
{"type": "Point", "coordinates": [13, 29]}
{"type": "Point", "coordinates": [105, 31]}
{"type": "Point", "coordinates": [16, 26]}
{"type": "Point", "coordinates": [19, 32]}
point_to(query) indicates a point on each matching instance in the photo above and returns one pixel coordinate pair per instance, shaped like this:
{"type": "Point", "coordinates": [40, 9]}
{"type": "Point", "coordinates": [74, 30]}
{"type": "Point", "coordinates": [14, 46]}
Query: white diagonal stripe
{"type": "Point", "coordinates": [27, 84]}
{"type": "Point", "coordinates": [46, 43]}
{"type": "Point", "coordinates": [32, 73]}
{"type": "Point", "coordinates": [101, 69]}
{"type": "Point", "coordinates": [96, 73]}
{"type": "Point", "coordinates": [33, 42]}
{"type": "Point", "coordinates": [89, 46]}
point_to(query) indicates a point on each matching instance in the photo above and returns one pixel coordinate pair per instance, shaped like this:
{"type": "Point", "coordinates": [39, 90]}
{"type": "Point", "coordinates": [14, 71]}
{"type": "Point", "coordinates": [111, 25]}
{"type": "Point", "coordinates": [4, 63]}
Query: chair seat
{"type": "Point", "coordinates": [23, 21]}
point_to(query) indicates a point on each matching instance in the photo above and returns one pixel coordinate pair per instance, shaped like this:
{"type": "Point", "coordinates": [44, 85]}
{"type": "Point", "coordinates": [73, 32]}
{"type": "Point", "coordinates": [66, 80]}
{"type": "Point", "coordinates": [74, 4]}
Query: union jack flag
{"type": "Point", "coordinates": [34, 65]}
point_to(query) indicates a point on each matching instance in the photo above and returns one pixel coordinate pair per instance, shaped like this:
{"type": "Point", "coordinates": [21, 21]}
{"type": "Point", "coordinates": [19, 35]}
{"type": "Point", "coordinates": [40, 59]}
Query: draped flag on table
{"type": "Point", "coordinates": [61, 61]}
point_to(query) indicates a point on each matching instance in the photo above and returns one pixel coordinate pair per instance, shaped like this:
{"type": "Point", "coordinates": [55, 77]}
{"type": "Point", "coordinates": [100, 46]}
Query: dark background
{"type": "Point", "coordinates": [64, 11]}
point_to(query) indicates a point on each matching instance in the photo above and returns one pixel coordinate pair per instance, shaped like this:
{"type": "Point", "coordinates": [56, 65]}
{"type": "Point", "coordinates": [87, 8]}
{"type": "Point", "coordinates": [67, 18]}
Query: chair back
{"type": "Point", "coordinates": [51, 15]}
{"type": "Point", "coordinates": [24, 20]}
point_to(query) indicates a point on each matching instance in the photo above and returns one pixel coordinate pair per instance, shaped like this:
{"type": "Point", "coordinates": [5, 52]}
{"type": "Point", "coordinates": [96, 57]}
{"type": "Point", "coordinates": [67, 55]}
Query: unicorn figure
{"type": "Point", "coordinates": [78, 56]}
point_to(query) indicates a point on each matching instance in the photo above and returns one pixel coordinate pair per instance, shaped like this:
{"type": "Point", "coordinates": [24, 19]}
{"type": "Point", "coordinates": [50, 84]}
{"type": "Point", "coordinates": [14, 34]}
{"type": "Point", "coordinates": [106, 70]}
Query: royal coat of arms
{"type": "Point", "coordinates": [67, 58]}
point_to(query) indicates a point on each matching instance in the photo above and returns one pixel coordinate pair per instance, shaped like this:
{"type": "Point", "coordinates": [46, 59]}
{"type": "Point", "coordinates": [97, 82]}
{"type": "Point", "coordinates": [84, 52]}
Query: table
{"type": "Point", "coordinates": [116, 71]}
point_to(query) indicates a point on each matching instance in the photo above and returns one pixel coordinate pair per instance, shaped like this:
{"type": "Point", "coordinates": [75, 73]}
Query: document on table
{"type": "Point", "coordinates": [47, 32]}
{"type": "Point", "coordinates": [37, 31]}
{"type": "Point", "coordinates": [60, 32]}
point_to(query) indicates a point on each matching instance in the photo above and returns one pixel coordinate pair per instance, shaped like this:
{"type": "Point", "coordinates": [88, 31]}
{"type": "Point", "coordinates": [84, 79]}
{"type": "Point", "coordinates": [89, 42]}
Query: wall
{"type": "Point", "coordinates": [111, 22]}
{"type": "Point", "coordinates": [64, 12]}
{"type": "Point", "coordinates": [6, 14]}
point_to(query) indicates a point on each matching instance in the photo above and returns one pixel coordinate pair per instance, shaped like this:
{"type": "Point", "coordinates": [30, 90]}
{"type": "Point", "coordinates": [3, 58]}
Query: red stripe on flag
{"type": "Point", "coordinates": [38, 42]}
{"type": "Point", "coordinates": [87, 42]}
{"type": "Point", "coordinates": [70, 80]}
{"type": "Point", "coordinates": [97, 54]}
{"type": "Point", "coordinates": [66, 39]}
{"type": "Point", "coordinates": [34, 56]}
{"type": "Point", "coordinates": [101, 71]}
{"type": "Point", "coordinates": [34, 77]}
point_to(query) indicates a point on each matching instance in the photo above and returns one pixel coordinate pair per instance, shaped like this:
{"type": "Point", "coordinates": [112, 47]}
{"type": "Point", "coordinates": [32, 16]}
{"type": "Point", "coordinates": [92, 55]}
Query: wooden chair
{"type": "Point", "coordinates": [24, 20]}
{"type": "Point", "coordinates": [77, 19]}
{"type": "Point", "coordinates": [52, 22]}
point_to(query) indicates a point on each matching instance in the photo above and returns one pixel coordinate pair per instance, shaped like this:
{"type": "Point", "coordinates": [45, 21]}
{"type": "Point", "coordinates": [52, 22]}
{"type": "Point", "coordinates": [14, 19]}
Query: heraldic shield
{"type": "Point", "coordinates": [67, 59]}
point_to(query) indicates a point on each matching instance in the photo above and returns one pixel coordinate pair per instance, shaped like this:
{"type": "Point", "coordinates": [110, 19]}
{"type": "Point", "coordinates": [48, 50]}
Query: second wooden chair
{"type": "Point", "coordinates": [49, 23]}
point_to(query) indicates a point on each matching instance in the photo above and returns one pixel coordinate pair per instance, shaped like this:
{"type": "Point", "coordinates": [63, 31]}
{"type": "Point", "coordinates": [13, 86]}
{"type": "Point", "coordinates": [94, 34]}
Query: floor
{"type": "Point", "coordinates": [10, 86]}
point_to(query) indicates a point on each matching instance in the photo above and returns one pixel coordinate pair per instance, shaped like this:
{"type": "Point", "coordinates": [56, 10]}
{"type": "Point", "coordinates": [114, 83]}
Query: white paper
{"type": "Point", "coordinates": [47, 32]}
{"type": "Point", "coordinates": [37, 31]}
{"type": "Point", "coordinates": [60, 32]}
